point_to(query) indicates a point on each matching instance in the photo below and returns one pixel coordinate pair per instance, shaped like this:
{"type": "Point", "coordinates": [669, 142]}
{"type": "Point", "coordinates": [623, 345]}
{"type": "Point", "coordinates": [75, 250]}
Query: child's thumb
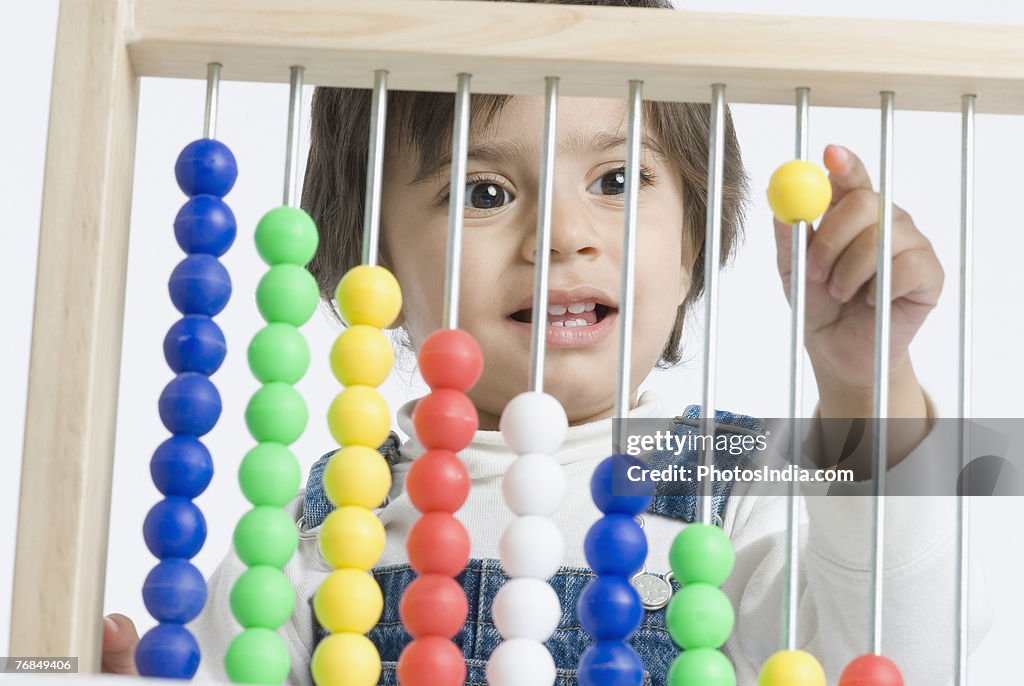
{"type": "Point", "coordinates": [119, 640]}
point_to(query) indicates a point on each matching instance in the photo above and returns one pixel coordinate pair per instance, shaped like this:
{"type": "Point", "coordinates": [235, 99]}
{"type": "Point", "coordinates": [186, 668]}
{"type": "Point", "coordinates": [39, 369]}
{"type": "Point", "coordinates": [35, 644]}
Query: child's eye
{"type": "Point", "coordinates": [614, 182]}
{"type": "Point", "coordinates": [484, 194]}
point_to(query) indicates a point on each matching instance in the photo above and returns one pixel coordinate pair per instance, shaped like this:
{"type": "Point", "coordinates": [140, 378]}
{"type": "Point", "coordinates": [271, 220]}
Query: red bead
{"type": "Point", "coordinates": [431, 661]}
{"type": "Point", "coordinates": [438, 544]}
{"type": "Point", "coordinates": [445, 419]}
{"type": "Point", "coordinates": [437, 482]}
{"type": "Point", "coordinates": [871, 670]}
{"type": "Point", "coordinates": [434, 605]}
{"type": "Point", "coordinates": [451, 358]}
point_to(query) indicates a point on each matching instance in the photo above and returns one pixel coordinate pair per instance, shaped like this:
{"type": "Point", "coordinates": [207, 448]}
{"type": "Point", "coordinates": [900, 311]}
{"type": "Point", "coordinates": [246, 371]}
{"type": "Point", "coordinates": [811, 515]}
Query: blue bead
{"type": "Point", "coordinates": [609, 608]}
{"type": "Point", "coordinates": [610, 663]}
{"type": "Point", "coordinates": [200, 285]}
{"type": "Point", "coordinates": [174, 591]}
{"type": "Point", "coordinates": [181, 466]}
{"type": "Point", "coordinates": [189, 404]}
{"type": "Point", "coordinates": [206, 167]}
{"type": "Point", "coordinates": [205, 225]}
{"type": "Point", "coordinates": [615, 544]}
{"type": "Point", "coordinates": [174, 527]}
{"type": "Point", "coordinates": [168, 651]}
{"type": "Point", "coordinates": [195, 344]}
{"type": "Point", "coordinates": [614, 491]}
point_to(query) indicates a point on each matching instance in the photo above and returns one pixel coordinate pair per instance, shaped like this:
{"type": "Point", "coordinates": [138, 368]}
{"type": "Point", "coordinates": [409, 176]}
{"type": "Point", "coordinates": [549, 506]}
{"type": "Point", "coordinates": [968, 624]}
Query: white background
{"type": "Point", "coordinates": [753, 363]}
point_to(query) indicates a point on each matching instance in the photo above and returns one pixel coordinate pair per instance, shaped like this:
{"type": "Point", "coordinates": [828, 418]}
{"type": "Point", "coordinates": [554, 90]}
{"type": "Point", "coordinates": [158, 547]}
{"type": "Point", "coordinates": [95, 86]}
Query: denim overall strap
{"type": "Point", "coordinates": [316, 505]}
{"type": "Point", "coordinates": [678, 499]}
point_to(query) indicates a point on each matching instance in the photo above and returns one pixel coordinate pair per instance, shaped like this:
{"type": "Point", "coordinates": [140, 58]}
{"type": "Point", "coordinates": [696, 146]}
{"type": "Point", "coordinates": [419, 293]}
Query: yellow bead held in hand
{"type": "Point", "coordinates": [799, 191]}
{"type": "Point", "coordinates": [791, 668]}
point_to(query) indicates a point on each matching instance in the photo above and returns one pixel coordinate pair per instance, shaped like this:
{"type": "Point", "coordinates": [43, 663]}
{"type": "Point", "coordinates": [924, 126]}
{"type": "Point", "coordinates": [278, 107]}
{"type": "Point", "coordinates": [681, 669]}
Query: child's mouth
{"type": "Point", "coordinates": [577, 314]}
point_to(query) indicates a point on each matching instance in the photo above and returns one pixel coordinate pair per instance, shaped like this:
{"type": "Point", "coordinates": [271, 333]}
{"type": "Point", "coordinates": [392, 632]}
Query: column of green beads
{"type": "Point", "coordinates": [262, 598]}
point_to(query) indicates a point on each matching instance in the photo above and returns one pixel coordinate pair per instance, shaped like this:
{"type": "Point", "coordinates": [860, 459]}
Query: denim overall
{"type": "Point", "coordinates": [483, 577]}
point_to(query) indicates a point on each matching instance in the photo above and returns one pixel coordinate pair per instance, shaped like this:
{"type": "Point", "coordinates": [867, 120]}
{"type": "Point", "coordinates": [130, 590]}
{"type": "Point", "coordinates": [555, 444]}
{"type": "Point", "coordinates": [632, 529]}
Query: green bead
{"type": "Point", "coordinates": [699, 616]}
{"type": "Point", "coordinates": [257, 656]}
{"type": "Point", "coordinates": [278, 352]}
{"type": "Point", "coordinates": [276, 413]}
{"type": "Point", "coordinates": [287, 293]}
{"type": "Point", "coordinates": [269, 475]}
{"type": "Point", "coordinates": [701, 553]}
{"type": "Point", "coordinates": [286, 235]}
{"type": "Point", "coordinates": [262, 597]}
{"type": "Point", "coordinates": [266, 536]}
{"type": "Point", "coordinates": [701, 667]}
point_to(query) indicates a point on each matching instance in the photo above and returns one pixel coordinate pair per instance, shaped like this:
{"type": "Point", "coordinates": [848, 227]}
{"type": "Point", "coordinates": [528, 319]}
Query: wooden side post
{"type": "Point", "coordinates": [64, 511]}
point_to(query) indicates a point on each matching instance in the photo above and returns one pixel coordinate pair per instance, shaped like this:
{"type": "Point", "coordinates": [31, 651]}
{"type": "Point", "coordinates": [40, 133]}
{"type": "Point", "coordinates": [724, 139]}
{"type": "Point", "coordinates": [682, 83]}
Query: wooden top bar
{"type": "Point", "coordinates": [511, 47]}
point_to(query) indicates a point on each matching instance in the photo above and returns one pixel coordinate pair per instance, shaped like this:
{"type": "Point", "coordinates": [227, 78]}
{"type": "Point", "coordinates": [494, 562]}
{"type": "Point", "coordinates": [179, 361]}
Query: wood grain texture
{"type": "Point", "coordinates": [64, 509]}
{"type": "Point", "coordinates": [510, 48]}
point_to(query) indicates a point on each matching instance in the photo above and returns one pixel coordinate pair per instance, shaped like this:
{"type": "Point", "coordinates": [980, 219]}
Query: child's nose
{"type": "Point", "coordinates": [572, 235]}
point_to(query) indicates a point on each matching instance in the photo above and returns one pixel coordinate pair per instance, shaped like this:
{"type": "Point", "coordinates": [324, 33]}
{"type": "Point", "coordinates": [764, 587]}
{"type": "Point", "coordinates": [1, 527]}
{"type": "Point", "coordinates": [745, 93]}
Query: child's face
{"type": "Point", "coordinates": [498, 252]}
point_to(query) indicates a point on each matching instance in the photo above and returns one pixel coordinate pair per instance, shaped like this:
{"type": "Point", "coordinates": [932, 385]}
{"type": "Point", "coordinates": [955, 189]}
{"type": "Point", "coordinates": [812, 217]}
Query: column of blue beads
{"type": "Point", "coordinates": [174, 591]}
{"type": "Point", "coordinates": [609, 608]}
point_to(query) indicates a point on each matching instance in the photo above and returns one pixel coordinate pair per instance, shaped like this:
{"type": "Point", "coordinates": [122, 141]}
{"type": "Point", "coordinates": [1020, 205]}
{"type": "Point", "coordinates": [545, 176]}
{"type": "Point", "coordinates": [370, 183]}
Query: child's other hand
{"type": "Point", "coordinates": [119, 641]}
{"type": "Point", "coordinates": [842, 260]}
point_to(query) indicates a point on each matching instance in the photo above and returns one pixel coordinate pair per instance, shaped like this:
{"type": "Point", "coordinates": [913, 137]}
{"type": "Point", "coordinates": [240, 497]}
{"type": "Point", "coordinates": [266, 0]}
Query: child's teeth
{"type": "Point", "coordinates": [590, 307]}
{"type": "Point", "coordinates": [570, 322]}
{"type": "Point", "coordinates": [577, 308]}
{"type": "Point", "coordinates": [557, 324]}
{"type": "Point", "coordinates": [581, 322]}
{"type": "Point", "coordinates": [556, 310]}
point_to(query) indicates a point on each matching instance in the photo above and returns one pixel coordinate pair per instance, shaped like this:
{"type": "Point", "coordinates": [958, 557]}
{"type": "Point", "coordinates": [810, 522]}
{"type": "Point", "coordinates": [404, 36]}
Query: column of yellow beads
{"type": "Point", "coordinates": [356, 480]}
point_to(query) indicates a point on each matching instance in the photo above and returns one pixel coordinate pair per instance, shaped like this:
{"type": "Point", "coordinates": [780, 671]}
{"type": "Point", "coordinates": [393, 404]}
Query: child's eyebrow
{"type": "Point", "coordinates": [497, 150]}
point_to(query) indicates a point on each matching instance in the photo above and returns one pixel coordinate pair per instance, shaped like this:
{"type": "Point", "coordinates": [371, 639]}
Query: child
{"type": "Point", "coordinates": [497, 282]}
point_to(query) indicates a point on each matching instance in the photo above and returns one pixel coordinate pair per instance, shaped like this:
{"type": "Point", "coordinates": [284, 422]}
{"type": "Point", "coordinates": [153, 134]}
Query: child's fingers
{"type": "Point", "coordinates": [846, 172]}
{"type": "Point", "coordinates": [837, 230]}
{"type": "Point", "coordinates": [859, 262]}
{"type": "Point", "coordinates": [917, 275]}
{"type": "Point", "coordinates": [119, 640]}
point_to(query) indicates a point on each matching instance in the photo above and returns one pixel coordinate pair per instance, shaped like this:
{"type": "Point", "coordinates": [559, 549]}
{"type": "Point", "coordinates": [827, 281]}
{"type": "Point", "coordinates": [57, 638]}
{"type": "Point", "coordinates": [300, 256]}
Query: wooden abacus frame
{"type": "Point", "coordinates": [105, 46]}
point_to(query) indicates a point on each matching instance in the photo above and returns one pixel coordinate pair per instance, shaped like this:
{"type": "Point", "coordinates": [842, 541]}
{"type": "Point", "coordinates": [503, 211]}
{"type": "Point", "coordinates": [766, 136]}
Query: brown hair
{"type": "Point", "coordinates": [335, 181]}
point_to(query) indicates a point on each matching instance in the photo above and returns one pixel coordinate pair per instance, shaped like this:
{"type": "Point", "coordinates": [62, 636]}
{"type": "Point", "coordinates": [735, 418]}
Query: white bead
{"type": "Point", "coordinates": [526, 608]}
{"type": "Point", "coordinates": [531, 546]}
{"type": "Point", "coordinates": [534, 484]}
{"type": "Point", "coordinates": [533, 423]}
{"type": "Point", "coordinates": [521, 662]}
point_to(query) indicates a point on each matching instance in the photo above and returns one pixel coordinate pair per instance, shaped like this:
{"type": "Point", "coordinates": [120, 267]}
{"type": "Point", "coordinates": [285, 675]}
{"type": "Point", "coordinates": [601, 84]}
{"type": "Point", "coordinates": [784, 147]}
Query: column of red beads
{"type": "Point", "coordinates": [434, 606]}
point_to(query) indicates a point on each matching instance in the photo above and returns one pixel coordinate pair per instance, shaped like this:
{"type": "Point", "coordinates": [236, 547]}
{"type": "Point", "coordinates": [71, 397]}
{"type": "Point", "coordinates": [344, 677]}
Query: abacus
{"type": "Point", "coordinates": [433, 45]}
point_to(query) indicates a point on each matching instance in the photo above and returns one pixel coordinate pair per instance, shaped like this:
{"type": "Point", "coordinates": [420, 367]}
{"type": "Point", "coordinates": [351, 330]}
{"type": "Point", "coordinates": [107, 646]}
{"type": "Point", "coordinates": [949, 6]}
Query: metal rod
{"type": "Point", "coordinates": [291, 166]}
{"type": "Point", "coordinates": [798, 297]}
{"type": "Point", "coordinates": [375, 168]}
{"type": "Point", "coordinates": [540, 278]}
{"type": "Point", "coordinates": [212, 98]}
{"type": "Point", "coordinates": [883, 313]}
{"type": "Point", "coordinates": [964, 380]}
{"type": "Point", "coordinates": [633, 137]}
{"type": "Point", "coordinates": [712, 259]}
{"type": "Point", "coordinates": [457, 198]}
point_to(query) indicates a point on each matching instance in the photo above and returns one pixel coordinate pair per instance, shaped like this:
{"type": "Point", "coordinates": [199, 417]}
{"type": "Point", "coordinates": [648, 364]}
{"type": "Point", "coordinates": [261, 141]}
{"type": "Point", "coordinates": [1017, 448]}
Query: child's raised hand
{"type": "Point", "coordinates": [842, 260]}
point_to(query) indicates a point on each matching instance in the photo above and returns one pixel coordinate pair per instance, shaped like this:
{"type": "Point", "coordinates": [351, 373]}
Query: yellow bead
{"type": "Point", "coordinates": [791, 668]}
{"type": "Point", "coordinates": [349, 600]}
{"type": "Point", "coordinates": [359, 416]}
{"type": "Point", "coordinates": [352, 537]}
{"type": "Point", "coordinates": [345, 660]}
{"type": "Point", "coordinates": [357, 475]}
{"type": "Point", "coordinates": [369, 295]}
{"type": "Point", "coordinates": [799, 191]}
{"type": "Point", "coordinates": [362, 355]}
